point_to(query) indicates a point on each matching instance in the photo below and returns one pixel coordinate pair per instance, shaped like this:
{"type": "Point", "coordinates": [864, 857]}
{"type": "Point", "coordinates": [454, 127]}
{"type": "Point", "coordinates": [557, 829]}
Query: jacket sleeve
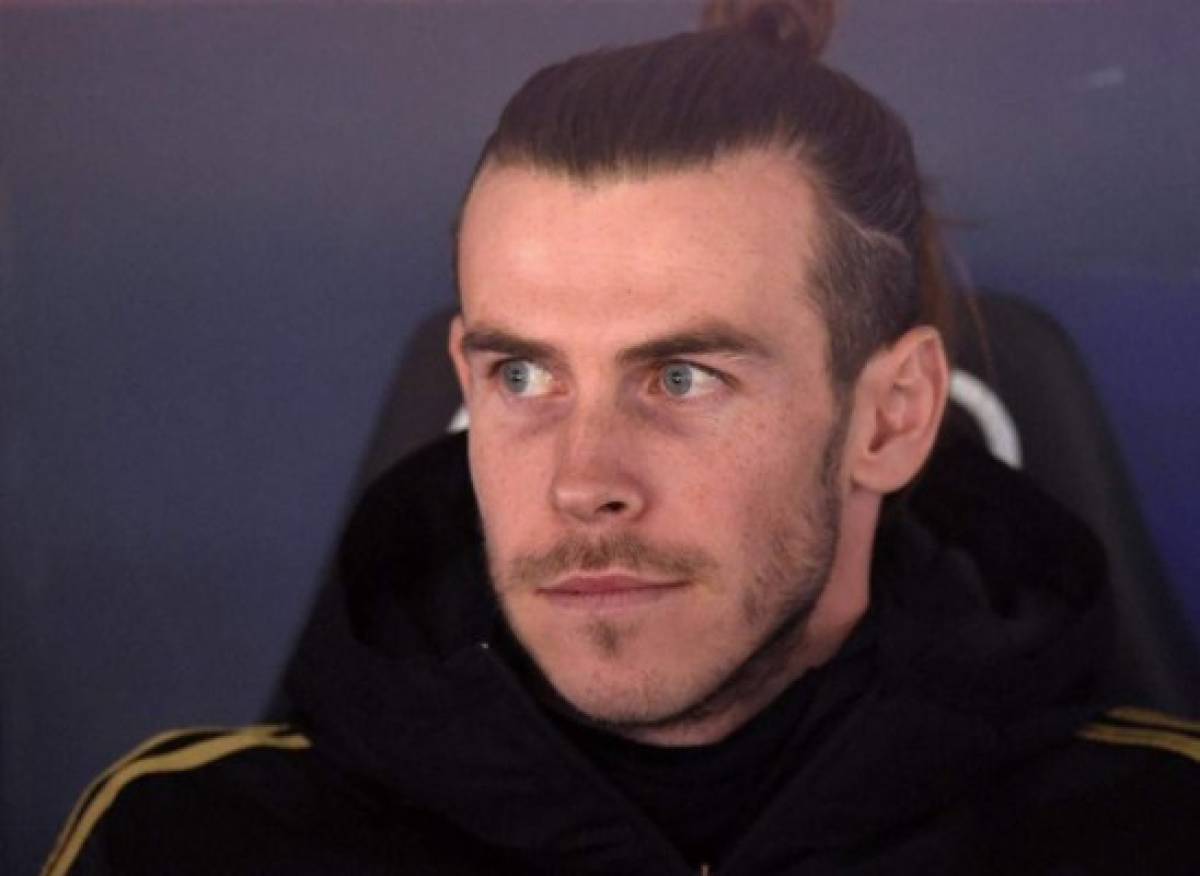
{"type": "Point", "coordinates": [89, 859]}
{"type": "Point", "coordinates": [133, 816]}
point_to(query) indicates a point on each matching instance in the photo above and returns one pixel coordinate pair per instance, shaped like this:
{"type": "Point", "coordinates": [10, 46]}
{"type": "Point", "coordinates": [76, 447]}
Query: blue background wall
{"type": "Point", "coordinates": [221, 226]}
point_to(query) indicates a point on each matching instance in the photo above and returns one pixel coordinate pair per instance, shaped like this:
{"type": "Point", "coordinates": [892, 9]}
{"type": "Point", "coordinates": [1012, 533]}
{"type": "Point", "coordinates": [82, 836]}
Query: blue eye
{"type": "Point", "coordinates": [677, 379]}
{"type": "Point", "coordinates": [516, 376]}
{"type": "Point", "coordinates": [685, 380]}
{"type": "Point", "coordinates": [523, 378]}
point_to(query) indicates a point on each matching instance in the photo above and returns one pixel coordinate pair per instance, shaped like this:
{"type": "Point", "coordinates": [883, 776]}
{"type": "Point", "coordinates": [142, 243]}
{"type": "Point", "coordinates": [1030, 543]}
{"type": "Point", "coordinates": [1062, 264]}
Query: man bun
{"type": "Point", "coordinates": [804, 25]}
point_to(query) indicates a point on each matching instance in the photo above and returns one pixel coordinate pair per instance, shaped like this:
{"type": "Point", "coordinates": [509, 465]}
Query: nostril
{"type": "Point", "coordinates": [595, 501]}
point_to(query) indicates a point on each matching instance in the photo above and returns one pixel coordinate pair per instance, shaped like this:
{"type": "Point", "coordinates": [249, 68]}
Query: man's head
{"type": "Point", "coordinates": [691, 349]}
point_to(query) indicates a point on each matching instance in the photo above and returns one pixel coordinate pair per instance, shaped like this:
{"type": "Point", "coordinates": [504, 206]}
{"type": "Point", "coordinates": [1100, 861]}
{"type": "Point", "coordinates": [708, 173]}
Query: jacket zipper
{"type": "Point", "coordinates": [705, 870]}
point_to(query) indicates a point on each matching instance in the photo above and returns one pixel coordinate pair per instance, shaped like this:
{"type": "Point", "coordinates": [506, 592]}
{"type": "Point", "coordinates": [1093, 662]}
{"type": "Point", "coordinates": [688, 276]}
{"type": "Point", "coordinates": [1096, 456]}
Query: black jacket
{"type": "Point", "coordinates": [962, 739]}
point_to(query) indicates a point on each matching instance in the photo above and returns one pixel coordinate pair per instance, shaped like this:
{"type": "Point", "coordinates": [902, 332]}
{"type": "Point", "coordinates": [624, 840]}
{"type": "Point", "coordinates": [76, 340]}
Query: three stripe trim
{"type": "Point", "coordinates": [174, 751]}
{"type": "Point", "coordinates": [1146, 729]}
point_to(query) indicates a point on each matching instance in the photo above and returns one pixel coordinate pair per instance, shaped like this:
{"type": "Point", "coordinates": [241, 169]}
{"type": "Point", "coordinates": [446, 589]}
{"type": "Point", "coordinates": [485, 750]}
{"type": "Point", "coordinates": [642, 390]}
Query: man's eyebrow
{"type": "Point", "coordinates": [494, 340]}
{"type": "Point", "coordinates": [716, 337]}
{"type": "Point", "coordinates": [709, 338]}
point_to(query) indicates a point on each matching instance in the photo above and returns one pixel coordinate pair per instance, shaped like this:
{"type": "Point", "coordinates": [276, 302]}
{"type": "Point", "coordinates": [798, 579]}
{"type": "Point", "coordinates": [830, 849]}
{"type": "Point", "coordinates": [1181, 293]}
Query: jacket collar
{"type": "Point", "coordinates": [988, 610]}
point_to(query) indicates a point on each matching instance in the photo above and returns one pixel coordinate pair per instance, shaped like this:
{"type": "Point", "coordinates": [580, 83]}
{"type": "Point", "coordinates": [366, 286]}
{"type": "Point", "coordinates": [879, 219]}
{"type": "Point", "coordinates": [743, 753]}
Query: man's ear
{"type": "Point", "coordinates": [458, 358]}
{"type": "Point", "coordinates": [899, 400]}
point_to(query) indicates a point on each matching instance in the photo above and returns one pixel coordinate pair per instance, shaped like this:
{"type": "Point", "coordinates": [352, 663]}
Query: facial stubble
{"type": "Point", "coordinates": [798, 560]}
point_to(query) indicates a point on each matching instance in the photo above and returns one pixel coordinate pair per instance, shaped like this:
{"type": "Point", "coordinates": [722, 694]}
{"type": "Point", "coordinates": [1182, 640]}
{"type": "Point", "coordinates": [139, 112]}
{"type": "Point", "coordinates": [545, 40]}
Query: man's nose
{"type": "Point", "coordinates": [594, 480]}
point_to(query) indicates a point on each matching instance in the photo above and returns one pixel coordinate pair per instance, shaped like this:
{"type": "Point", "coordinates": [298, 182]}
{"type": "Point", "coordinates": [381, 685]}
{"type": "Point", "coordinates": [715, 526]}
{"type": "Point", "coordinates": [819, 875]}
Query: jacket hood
{"type": "Point", "coordinates": [988, 618]}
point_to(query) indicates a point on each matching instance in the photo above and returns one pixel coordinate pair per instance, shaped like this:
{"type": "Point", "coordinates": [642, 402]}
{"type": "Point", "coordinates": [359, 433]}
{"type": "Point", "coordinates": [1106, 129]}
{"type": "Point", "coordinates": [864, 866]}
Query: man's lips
{"type": "Point", "coordinates": [612, 591]}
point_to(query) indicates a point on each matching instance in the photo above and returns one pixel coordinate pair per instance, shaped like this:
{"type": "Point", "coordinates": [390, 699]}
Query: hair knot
{"type": "Point", "coordinates": [803, 25]}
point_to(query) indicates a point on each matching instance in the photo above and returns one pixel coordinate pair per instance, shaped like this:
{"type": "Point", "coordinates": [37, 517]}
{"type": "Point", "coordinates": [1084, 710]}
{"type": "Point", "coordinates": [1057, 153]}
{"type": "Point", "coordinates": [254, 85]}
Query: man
{"type": "Point", "coordinates": [666, 609]}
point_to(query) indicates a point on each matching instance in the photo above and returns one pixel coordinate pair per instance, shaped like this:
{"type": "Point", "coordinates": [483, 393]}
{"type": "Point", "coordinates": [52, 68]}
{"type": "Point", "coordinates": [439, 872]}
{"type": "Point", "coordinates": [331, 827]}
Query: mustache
{"type": "Point", "coordinates": [577, 552]}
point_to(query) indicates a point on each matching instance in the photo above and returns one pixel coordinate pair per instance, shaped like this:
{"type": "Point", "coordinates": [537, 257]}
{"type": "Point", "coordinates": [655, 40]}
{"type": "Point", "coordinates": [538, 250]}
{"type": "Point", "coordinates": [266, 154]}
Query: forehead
{"type": "Point", "coordinates": [733, 240]}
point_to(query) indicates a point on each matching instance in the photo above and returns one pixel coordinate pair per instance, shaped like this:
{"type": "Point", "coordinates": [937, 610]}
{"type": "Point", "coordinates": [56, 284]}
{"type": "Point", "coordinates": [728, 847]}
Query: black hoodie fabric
{"type": "Point", "coordinates": [959, 735]}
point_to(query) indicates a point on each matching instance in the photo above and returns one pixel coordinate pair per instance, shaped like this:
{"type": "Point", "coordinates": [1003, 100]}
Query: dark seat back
{"type": "Point", "coordinates": [1068, 448]}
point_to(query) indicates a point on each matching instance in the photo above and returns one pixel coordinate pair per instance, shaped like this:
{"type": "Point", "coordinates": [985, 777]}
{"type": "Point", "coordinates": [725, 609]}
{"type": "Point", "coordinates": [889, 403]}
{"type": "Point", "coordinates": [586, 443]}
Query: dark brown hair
{"type": "Point", "coordinates": [752, 79]}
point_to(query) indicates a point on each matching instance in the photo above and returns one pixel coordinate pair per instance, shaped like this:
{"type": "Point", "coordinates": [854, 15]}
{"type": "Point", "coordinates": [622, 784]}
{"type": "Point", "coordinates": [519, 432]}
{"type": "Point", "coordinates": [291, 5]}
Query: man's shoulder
{"type": "Point", "coordinates": [255, 799]}
{"type": "Point", "coordinates": [173, 786]}
{"type": "Point", "coordinates": [1153, 756]}
{"type": "Point", "coordinates": [1120, 797]}
{"type": "Point", "coordinates": [1154, 737]}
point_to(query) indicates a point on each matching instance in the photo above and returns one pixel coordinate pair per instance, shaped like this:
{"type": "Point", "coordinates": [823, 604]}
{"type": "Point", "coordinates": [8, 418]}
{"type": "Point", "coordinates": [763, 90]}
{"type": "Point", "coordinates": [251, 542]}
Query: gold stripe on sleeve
{"type": "Point", "coordinates": [1151, 718]}
{"type": "Point", "coordinates": [1164, 740]}
{"type": "Point", "coordinates": [150, 744]}
{"type": "Point", "coordinates": [101, 794]}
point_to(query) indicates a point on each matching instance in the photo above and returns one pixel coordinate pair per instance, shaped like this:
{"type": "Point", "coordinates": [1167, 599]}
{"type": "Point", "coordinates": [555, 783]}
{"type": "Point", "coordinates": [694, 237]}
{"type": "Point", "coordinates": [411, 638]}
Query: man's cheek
{"type": "Point", "coordinates": [514, 522]}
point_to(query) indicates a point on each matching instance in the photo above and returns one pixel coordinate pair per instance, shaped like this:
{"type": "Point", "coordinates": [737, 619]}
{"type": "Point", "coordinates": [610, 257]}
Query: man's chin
{"type": "Point", "coordinates": [623, 698]}
{"type": "Point", "coordinates": [619, 713]}
{"type": "Point", "coordinates": [612, 674]}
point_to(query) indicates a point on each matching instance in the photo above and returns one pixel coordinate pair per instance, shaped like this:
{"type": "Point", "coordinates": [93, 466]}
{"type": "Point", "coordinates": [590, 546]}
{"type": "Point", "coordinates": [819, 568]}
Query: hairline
{"type": "Point", "coordinates": [815, 288]}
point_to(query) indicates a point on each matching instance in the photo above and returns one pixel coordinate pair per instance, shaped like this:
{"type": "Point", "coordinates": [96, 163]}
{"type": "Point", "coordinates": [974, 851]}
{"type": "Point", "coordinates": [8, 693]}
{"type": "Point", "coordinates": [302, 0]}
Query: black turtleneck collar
{"type": "Point", "coordinates": [704, 797]}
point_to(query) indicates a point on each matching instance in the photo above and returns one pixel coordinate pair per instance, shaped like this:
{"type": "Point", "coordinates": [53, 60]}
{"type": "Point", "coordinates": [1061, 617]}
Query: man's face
{"type": "Point", "coordinates": [654, 442]}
